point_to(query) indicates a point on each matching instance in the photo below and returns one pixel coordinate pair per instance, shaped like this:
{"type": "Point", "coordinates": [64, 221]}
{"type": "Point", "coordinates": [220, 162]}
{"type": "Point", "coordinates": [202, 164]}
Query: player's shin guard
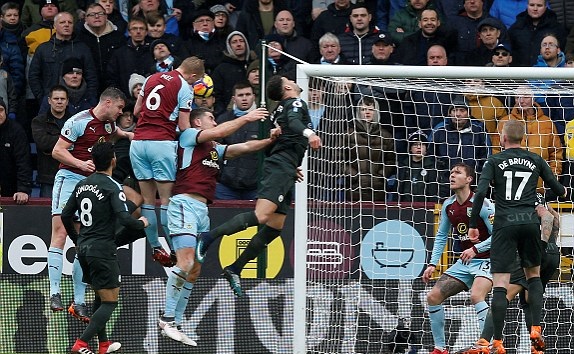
{"type": "Point", "coordinates": [255, 247]}
{"type": "Point", "coordinates": [164, 225]}
{"type": "Point", "coordinates": [151, 231]}
{"type": "Point", "coordinates": [481, 311]}
{"type": "Point", "coordinates": [99, 319]}
{"type": "Point", "coordinates": [173, 289]}
{"type": "Point", "coordinates": [237, 223]}
{"type": "Point", "coordinates": [79, 285]}
{"type": "Point", "coordinates": [182, 303]}
{"type": "Point", "coordinates": [436, 316]}
{"type": "Point", "coordinates": [535, 293]}
{"type": "Point", "coordinates": [499, 305]}
{"type": "Point", "coordinates": [55, 264]}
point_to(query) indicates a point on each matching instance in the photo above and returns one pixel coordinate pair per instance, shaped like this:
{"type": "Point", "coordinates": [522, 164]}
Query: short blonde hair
{"type": "Point", "coordinates": [514, 131]}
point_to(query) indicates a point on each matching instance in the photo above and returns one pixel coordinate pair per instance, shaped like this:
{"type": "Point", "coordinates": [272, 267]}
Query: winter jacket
{"type": "Point", "coordinates": [240, 173]}
{"type": "Point", "coordinates": [249, 21]}
{"type": "Point", "coordinates": [102, 47]}
{"type": "Point", "coordinates": [46, 131]}
{"type": "Point", "coordinates": [8, 94]}
{"type": "Point", "coordinates": [467, 35]}
{"type": "Point", "coordinates": [408, 20]}
{"type": "Point", "coordinates": [13, 62]}
{"type": "Point", "coordinates": [507, 10]}
{"type": "Point", "coordinates": [211, 51]}
{"type": "Point", "coordinates": [126, 60]}
{"type": "Point", "coordinates": [37, 34]}
{"type": "Point", "coordinates": [413, 50]}
{"type": "Point", "coordinates": [564, 11]}
{"type": "Point", "coordinates": [16, 171]}
{"type": "Point", "coordinates": [418, 180]}
{"type": "Point", "coordinates": [541, 136]}
{"type": "Point", "coordinates": [358, 49]}
{"type": "Point", "coordinates": [46, 66]}
{"type": "Point", "coordinates": [525, 37]}
{"type": "Point", "coordinates": [470, 145]}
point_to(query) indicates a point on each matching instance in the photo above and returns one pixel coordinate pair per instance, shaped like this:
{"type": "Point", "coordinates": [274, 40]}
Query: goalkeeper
{"type": "Point", "coordinates": [472, 269]}
{"type": "Point", "coordinates": [279, 176]}
{"type": "Point", "coordinates": [550, 226]}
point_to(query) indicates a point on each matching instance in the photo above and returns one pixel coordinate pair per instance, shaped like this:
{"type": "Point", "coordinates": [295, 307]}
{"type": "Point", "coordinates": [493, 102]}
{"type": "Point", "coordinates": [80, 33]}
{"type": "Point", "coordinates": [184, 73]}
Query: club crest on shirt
{"type": "Point", "coordinates": [491, 219]}
{"type": "Point", "coordinates": [469, 211]}
{"type": "Point", "coordinates": [108, 128]}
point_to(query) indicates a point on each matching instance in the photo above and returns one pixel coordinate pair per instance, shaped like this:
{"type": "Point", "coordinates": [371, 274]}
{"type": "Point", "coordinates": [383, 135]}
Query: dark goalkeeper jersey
{"type": "Point", "coordinates": [99, 200]}
{"type": "Point", "coordinates": [514, 174]}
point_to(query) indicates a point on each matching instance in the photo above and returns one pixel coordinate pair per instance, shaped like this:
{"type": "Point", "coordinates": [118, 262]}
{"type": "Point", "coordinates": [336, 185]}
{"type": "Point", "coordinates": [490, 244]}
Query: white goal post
{"type": "Point", "coordinates": [358, 257]}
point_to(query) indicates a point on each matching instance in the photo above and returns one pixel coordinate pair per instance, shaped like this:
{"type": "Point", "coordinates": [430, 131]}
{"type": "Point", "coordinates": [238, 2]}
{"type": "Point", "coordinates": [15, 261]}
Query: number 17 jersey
{"type": "Point", "coordinates": [164, 96]}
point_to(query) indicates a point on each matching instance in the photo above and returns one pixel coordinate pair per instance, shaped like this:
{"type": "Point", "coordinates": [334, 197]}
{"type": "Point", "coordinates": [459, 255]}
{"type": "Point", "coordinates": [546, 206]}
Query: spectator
{"type": "Point", "coordinates": [8, 92]}
{"type": "Point", "coordinates": [489, 32]}
{"type": "Point", "coordinates": [561, 106]}
{"type": "Point", "coordinates": [146, 7]}
{"type": "Point", "coordinates": [295, 44]}
{"type": "Point", "coordinates": [102, 37]}
{"type": "Point", "coordinates": [79, 98]}
{"type": "Point", "coordinates": [253, 77]}
{"type": "Point", "coordinates": [569, 48]}
{"type": "Point", "coordinates": [123, 173]}
{"type": "Point", "coordinates": [550, 54]}
{"type": "Point", "coordinates": [32, 8]}
{"type": "Point", "coordinates": [466, 24]}
{"type": "Point", "coordinates": [45, 68]}
{"type": "Point", "coordinates": [541, 135]}
{"type": "Point", "coordinates": [156, 30]}
{"type": "Point", "coordinates": [383, 50]}
{"type": "Point", "coordinates": [132, 58]}
{"type": "Point", "coordinates": [135, 84]}
{"type": "Point", "coordinates": [114, 15]}
{"type": "Point", "coordinates": [564, 12]}
{"type": "Point", "coordinates": [233, 69]}
{"type": "Point", "coordinates": [256, 19]}
{"type": "Point", "coordinates": [417, 175]}
{"type": "Point", "coordinates": [330, 50]}
{"type": "Point", "coordinates": [206, 101]}
{"type": "Point", "coordinates": [502, 55]}
{"type": "Point", "coordinates": [40, 31]}
{"type": "Point", "coordinates": [16, 171]}
{"type": "Point", "coordinates": [386, 9]}
{"type": "Point", "coordinates": [13, 48]}
{"type": "Point", "coordinates": [436, 56]}
{"type": "Point", "coordinates": [277, 63]}
{"type": "Point", "coordinates": [371, 153]}
{"type": "Point", "coordinates": [46, 128]}
{"type": "Point", "coordinates": [507, 10]}
{"type": "Point", "coordinates": [487, 109]}
{"type": "Point", "coordinates": [357, 40]}
{"type": "Point", "coordinates": [164, 60]}
{"type": "Point", "coordinates": [238, 177]}
{"type": "Point", "coordinates": [203, 42]}
{"type": "Point", "coordinates": [530, 27]}
{"type": "Point", "coordinates": [11, 20]}
{"type": "Point", "coordinates": [221, 22]}
{"type": "Point", "coordinates": [461, 138]}
{"type": "Point", "coordinates": [414, 48]}
{"type": "Point", "coordinates": [407, 21]}
{"type": "Point", "coordinates": [333, 20]}
{"type": "Point", "coordinates": [316, 103]}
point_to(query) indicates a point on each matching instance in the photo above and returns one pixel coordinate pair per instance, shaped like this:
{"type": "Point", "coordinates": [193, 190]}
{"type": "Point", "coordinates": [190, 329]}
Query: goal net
{"type": "Point", "coordinates": [373, 205]}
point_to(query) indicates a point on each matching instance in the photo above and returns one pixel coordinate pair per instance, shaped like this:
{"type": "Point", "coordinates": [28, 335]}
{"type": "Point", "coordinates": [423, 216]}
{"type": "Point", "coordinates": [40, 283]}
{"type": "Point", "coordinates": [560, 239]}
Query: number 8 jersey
{"type": "Point", "coordinates": [164, 96]}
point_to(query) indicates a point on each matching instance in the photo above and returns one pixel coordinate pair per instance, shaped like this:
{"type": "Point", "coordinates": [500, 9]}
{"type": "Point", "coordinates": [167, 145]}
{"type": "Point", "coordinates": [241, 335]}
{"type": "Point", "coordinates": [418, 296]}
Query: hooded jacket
{"type": "Point", "coordinates": [13, 62]}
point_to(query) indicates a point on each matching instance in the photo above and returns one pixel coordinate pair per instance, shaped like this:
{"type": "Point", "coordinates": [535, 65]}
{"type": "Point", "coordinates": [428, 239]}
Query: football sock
{"type": "Point", "coordinates": [175, 283]}
{"type": "Point", "coordinates": [488, 329]}
{"type": "Point", "coordinates": [436, 316]}
{"type": "Point", "coordinates": [98, 320]}
{"type": "Point", "coordinates": [79, 285]}
{"type": "Point", "coordinates": [527, 315]}
{"type": "Point", "coordinates": [55, 264]}
{"type": "Point", "coordinates": [182, 303]}
{"type": "Point", "coordinates": [237, 223]}
{"type": "Point", "coordinates": [164, 224]}
{"type": "Point", "coordinates": [255, 247]}
{"type": "Point", "coordinates": [151, 231]}
{"type": "Point", "coordinates": [499, 305]}
{"type": "Point", "coordinates": [102, 335]}
{"type": "Point", "coordinates": [481, 311]}
{"type": "Point", "coordinates": [535, 292]}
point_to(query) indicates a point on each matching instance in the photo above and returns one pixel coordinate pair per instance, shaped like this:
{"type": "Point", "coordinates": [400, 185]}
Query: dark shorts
{"type": "Point", "coordinates": [100, 273]}
{"type": "Point", "coordinates": [517, 276]}
{"type": "Point", "coordinates": [550, 263]}
{"type": "Point", "coordinates": [523, 238]}
{"type": "Point", "coordinates": [279, 175]}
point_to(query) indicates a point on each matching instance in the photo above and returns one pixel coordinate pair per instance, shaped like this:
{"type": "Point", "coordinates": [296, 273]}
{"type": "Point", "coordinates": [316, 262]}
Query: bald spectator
{"type": "Point", "coordinates": [436, 56]}
{"type": "Point", "coordinates": [295, 44]}
{"type": "Point", "coordinates": [530, 27]}
{"type": "Point", "coordinates": [45, 68]}
{"type": "Point", "coordinates": [356, 43]}
{"type": "Point", "coordinates": [102, 37]}
{"type": "Point", "coordinates": [414, 48]}
{"type": "Point", "coordinates": [134, 57]}
{"type": "Point", "coordinates": [550, 54]}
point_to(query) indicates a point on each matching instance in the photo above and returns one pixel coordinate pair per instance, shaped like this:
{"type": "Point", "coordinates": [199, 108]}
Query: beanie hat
{"type": "Point", "coordinates": [253, 66]}
{"type": "Point", "coordinates": [458, 101]}
{"type": "Point", "coordinates": [43, 3]}
{"type": "Point", "coordinates": [159, 41]}
{"type": "Point", "coordinates": [418, 137]}
{"type": "Point", "coordinates": [134, 80]}
{"type": "Point", "coordinates": [219, 8]}
{"type": "Point", "coordinates": [72, 65]}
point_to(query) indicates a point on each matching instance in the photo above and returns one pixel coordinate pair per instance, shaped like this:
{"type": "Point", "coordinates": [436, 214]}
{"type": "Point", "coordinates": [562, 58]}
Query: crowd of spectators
{"type": "Point", "coordinates": [57, 56]}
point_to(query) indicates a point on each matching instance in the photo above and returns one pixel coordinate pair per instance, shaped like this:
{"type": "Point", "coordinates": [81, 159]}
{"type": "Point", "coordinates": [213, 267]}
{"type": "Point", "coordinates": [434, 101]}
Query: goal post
{"type": "Point", "coordinates": [362, 243]}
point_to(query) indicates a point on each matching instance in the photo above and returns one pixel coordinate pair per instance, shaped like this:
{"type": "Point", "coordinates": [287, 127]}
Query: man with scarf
{"type": "Point", "coordinates": [238, 178]}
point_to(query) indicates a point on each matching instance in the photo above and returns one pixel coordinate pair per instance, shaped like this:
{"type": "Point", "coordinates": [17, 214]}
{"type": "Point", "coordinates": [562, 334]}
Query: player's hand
{"type": "Point", "coordinates": [257, 114]}
{"type": "Point", "coordinates": [145, 221]}
{"type": "Point", "coordinates": [467, 255]}
{"type": "Point", "coordinates": [274, 133]}
{"type": "Point", "coordinates": [21, 197]}
{"type": "Point", "coordinates": [87, 166]}
{"type": "Point", "coordinates": [300, 175]}
{"type": "Point", "coordinates": [315, 142]}
{"type": "Point", "coordinates": [428, 273]}
{"type": "Point", "coordinates": [473, 235]}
